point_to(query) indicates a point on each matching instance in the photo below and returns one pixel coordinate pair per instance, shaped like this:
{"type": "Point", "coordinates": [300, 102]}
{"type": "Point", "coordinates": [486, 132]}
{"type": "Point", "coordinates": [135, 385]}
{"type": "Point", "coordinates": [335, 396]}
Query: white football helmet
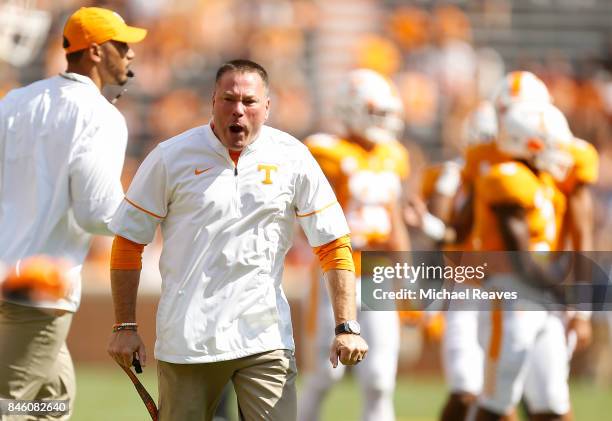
{"type": "Point", "coordinates": [539, 133]}
{"type": "Point", "coordinates": [519, 86]}
{"type": "Point", "coordinates": [369, 106]}
{"type": "Point", "coordinates": [480, 125]}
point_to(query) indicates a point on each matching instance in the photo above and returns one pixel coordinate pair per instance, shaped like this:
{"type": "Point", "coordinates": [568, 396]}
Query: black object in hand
{"type": "Point", "coordinates": [136, 365]}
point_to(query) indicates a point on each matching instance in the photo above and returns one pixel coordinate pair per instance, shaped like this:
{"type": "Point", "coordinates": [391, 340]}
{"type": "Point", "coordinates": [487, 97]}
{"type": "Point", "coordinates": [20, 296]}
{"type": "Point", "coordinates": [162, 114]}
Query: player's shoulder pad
{"type": "Point", "coordinates": [394, 155]}
{"type": "Point", "coordinates": [483, 151]}
{"type": "Point", "coordinates": [479, 159]}
{"type": "Point", "coordinates": [321, 141]}
{"type": "Point", "coordinates": [511, 183]}
{"type": "Point", "coordinates": [474, 154]}
{"type": "Point", "coordinates": [582, 150]}
{"type": "Point", "coordinates": [398, 151]}
{"type": "Point", "coordinates": [584, 153]}
{"type": "Point", "coordinates": [326, 146]}
{"type": "Point", "coordinates": [586, 161]}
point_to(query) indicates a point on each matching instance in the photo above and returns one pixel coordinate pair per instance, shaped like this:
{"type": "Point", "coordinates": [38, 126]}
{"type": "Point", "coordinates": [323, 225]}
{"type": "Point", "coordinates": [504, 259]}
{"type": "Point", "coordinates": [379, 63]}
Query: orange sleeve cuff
{"type": "Point", "coordinates": [336, 255]}
{"type": "Point", "coordinates": [126, 254]}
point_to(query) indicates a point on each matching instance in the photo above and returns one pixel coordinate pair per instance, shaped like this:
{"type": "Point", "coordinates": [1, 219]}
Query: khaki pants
{"type": "Point", "coordinates": [34, 360]}
{"type": "Point", "coordinates": [264, 384]}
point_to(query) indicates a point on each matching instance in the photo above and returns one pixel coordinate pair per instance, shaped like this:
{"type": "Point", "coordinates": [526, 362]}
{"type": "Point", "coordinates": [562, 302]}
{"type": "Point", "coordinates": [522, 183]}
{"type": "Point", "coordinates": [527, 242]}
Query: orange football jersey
{"type": "Point", "coordinates": [365, 182]}
{"type": "Point", "coordinates": [479, 158]}
{"type": "Point", "coordinates": [586, 165]}
{"type": "Point", "coordinates": [429, 177]}
{"type": "Point", "coordinates": [513, 183]}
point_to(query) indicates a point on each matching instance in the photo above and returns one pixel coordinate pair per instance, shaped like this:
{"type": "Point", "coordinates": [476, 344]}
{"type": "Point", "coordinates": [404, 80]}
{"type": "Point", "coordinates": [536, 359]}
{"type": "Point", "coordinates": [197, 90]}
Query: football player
{"type": "Point", "coordinates": [518, 207]}
{"type": "Point", "coordinates": [462, 355]}
{"type": "Point", "coordinates": [367, 167]}
{"type": "Point", "coordinates": [577, 226]}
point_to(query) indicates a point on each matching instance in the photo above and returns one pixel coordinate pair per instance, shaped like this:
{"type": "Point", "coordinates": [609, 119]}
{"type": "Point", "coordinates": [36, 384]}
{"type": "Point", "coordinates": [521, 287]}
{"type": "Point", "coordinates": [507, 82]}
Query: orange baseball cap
{"type": "Point", "coordinates": [94, 24]}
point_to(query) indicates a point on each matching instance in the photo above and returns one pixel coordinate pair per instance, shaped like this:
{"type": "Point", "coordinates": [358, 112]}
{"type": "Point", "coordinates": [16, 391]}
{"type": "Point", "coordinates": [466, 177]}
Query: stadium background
{"type": "Point", "coordinates": [444, 56]}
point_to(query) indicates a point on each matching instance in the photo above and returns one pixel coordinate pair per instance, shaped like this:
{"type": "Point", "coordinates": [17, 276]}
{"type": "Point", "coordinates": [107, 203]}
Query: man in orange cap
{"type": "Point", "coordinates": [62, 146]}
{"type": "Point", "coordinates": [96, 42]}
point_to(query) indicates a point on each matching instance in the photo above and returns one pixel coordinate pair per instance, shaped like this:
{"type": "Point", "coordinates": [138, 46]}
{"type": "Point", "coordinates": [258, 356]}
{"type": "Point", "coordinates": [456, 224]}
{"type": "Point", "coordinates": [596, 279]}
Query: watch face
{"type": "Point", "coordinates": [353, 327]}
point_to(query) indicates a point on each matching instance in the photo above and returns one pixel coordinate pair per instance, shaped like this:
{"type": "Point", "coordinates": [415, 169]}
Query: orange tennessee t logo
{"type": "Point", "coordinates": [268, 169]}
{"type": "Point", "coordinates": [198, 172]}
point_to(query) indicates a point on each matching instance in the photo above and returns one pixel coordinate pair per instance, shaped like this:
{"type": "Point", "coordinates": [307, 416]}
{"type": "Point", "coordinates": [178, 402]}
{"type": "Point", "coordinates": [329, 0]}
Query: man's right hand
{"type": "Point", "coordinates": [126, 344]}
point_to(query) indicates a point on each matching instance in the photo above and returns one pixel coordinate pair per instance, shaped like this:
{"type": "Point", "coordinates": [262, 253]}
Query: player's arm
{"type": "Point", "coordinates": [440, 206]}
{"type": "Point", "coordinates": [463, 220]}
{"type": "Point", "coordinates": [580, 218]}
{"type": "Point", "coordinates": [437, 222]}
{"type": "Point", "coordinates": [513, 227]}
{"type": "Point", "coordinates": [441, 202]}
{"type": "Point", "coordinates": [515, 234]}
{"type": "Point", "coordinates": [576, 186]}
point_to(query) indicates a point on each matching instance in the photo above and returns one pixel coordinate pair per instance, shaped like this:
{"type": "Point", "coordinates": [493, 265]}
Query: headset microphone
{"type": "Point", "coordinates": [129, 74]}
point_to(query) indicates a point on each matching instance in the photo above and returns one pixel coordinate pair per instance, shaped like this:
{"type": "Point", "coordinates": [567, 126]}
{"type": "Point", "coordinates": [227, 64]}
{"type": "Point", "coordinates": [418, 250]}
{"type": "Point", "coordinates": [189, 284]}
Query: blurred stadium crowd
{"type": "Point", "coordinates": [444, 57]}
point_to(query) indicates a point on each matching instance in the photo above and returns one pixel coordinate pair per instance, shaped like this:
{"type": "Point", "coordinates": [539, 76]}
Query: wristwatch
{"type": "Point", "coordinates": [350, 326]}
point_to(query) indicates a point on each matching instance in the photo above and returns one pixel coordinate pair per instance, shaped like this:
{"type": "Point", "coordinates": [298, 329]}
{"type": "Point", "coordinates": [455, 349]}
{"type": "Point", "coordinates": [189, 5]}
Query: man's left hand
{"type": "Point", "coordinates": [350, 349]}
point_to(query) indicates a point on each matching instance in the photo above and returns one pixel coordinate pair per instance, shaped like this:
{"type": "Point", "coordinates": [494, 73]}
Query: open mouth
{"type": "Point", "coordinates": [236, 128]}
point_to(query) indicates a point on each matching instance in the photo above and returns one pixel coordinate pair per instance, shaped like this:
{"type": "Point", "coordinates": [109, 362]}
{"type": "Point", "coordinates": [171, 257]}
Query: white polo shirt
{"type": "Point", "coordinates": [62, 146]}
{"type": "Point", "coordinates": [226, 231]}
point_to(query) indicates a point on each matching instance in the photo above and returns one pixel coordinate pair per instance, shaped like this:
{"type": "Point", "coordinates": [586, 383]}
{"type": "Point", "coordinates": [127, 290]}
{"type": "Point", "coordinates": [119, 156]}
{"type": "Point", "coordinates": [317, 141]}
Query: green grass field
{"type": "Point", "coordinates": [105, 393]}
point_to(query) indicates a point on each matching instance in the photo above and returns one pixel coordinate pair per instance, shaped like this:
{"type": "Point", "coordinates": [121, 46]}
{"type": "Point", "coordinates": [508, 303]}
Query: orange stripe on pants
{"type": "Point", "coordinates": [494, 349]}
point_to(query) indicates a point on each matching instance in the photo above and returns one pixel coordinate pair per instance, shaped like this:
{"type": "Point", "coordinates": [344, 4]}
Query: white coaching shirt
{"type": "Point", "coordinates": [62, 146]}
{"type": "Point", "coordinates": [226, 231]}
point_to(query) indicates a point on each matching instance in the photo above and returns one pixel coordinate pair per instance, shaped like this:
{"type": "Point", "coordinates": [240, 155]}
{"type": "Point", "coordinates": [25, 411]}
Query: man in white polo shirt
{"type": "Point", "coordinates": [62, 146]}
{"type": "Point", "coordinates": [227, 196]}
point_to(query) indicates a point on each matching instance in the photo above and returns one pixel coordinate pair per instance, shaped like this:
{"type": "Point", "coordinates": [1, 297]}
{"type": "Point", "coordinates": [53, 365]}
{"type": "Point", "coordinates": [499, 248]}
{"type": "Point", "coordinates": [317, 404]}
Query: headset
{"type": "Point", "coordinates": [129, 74]}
